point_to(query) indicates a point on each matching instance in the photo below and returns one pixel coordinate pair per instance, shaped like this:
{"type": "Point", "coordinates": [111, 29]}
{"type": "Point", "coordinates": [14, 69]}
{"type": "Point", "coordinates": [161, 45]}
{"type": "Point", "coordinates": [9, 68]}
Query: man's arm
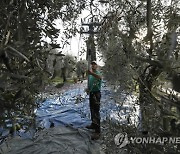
{"type": "Point", "coordinates": [95, 75]}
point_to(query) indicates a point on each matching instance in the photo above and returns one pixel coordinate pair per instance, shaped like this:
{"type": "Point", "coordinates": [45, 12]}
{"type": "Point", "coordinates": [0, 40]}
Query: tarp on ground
{"type": "Point", "coordinates": [57, 140]}
{"type": "Point", "coordinates": [63, 110]}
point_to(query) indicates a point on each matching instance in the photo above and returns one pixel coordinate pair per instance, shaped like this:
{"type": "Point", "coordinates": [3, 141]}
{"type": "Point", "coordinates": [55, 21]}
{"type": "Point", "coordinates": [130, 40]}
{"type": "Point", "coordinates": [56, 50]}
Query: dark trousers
{"type": "Point", "coordinates": [94, 99]}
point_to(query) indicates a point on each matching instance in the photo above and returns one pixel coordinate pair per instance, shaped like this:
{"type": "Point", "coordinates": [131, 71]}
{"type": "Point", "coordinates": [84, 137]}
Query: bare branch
{"type": "Point", "coordinates": [150, 61]}
{"type": "Point", "coordinates": [19, 53]}
{"type": "Point", "coordinates": [7, 38]}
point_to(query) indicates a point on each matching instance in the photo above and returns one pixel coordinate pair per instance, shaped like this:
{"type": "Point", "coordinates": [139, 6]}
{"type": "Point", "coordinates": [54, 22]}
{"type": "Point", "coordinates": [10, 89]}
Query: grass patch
{"type": "Point", "coordinates": [59, 80]}
{"type": "Point", "coordinates": [70, 80]}
{"type": "Point", "coordinates": [56, 80]}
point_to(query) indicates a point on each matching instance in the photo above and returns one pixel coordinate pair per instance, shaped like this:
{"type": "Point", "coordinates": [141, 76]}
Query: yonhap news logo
{"type": "Point", "coordinates": [122, 139]}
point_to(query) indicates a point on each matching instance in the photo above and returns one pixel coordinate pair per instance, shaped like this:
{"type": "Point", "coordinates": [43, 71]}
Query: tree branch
{"type": "Point", "coordinates": [150, 61]}
{"type": "Point", "coordinates": [17, 52]}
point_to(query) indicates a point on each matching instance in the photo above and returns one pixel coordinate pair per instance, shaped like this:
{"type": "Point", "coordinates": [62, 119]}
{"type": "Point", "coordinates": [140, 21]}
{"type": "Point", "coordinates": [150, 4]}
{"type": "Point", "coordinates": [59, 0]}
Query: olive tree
{"type": "Point", "coordinates": [25, 27]}
{"type": "Point", "coordinates": [139, 41]}
{"type": "Point", "coordinates": [81, 68]}
{"type": "Point", "coordinates": [69, 63]}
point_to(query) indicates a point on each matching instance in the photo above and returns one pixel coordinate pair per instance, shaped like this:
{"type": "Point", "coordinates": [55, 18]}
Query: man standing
{"type": "Point", "coordinates": [94, 89]}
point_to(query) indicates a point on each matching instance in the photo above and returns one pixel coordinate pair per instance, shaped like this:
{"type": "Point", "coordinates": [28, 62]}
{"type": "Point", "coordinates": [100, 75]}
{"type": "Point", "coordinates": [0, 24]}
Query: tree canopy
{"type": "Point", "coordinates": [139, 41]}
{"type": "Point", "coordinates": [25, 27]}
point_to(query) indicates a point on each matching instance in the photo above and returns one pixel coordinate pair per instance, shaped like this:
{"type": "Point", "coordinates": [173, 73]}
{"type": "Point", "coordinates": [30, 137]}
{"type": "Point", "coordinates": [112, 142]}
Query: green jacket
{"type": "Point", "coordinates": [94, 83]}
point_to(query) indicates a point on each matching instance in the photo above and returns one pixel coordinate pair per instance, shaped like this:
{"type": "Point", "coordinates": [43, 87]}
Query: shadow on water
{"type": "Point", "coordinates": [70, 107]}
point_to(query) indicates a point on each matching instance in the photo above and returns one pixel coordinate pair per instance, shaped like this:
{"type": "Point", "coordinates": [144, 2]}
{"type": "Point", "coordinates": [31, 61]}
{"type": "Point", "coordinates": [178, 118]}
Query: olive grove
{"type": "Point", "coordinates": [139, 41]}
{"type": "Point", "coordinates": [25, 27]}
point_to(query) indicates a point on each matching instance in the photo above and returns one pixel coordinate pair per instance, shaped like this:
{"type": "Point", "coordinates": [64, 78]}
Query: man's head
{"type": "Point", "coordinates": [94, 65]}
